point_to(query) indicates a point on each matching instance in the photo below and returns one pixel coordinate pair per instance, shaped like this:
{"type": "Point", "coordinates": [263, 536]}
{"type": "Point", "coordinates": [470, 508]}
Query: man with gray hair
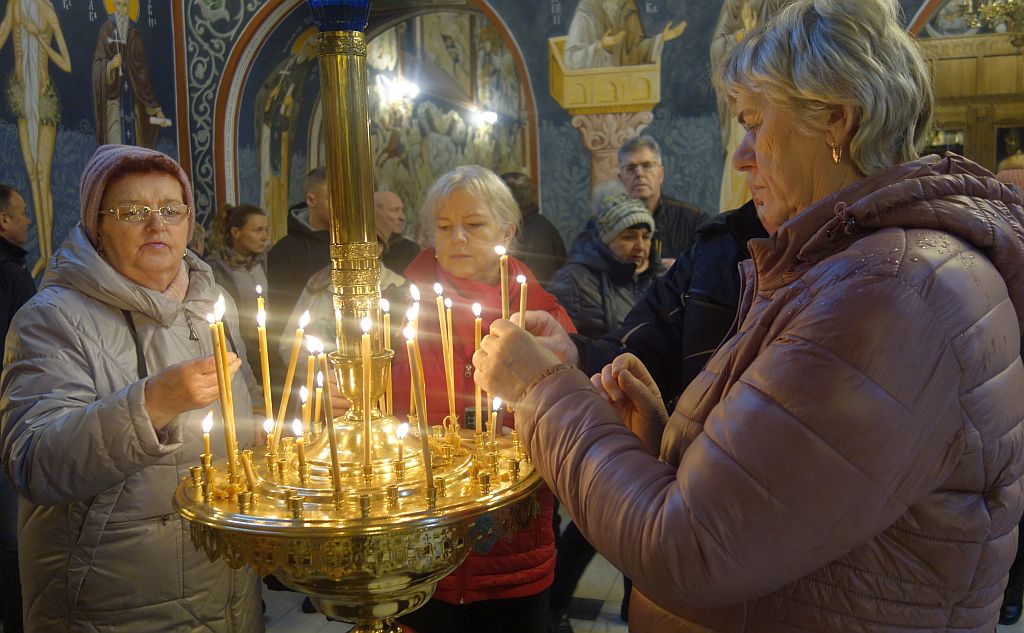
{"type": "Point", "coordinates": [389, 214]}
{"type": "Point", "coordinates": [16, 287]}
{"type": "Point", "coordinates": [642, 171]}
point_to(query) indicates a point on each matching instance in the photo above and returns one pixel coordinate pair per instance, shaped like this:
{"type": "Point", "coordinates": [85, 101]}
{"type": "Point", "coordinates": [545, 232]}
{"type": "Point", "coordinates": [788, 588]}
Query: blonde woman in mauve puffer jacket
{"type": "Point", "coordinates": [850, 459]}
{"type": "Point", "coordinates": [107, 378]}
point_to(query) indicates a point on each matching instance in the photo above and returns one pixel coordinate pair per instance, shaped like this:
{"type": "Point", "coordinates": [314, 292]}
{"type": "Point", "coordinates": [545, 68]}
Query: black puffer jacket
{"type": "Point", "coordinates": [595, 288]}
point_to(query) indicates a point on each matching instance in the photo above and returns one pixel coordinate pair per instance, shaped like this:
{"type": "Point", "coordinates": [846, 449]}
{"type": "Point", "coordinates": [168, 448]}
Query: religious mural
{"type": "Point", "coordinates": [75, 73]}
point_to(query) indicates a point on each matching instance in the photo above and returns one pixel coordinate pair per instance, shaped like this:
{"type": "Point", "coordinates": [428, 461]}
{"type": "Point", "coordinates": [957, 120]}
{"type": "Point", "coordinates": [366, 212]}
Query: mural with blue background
{"type": "Point", "coordinates": [685, 121]}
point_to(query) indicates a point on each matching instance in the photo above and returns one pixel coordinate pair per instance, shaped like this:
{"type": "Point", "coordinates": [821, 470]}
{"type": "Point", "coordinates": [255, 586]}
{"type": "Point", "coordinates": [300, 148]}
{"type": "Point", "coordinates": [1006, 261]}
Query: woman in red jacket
{"type": "Point", "coordinates": [468, 212]}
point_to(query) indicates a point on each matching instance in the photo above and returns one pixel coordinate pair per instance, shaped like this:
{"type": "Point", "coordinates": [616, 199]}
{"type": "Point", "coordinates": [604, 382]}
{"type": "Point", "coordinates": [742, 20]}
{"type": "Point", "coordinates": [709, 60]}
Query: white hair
{"type": "Point", "coordinates": [480, 182]}
{"type": "Point", "coordinates": [817, 54]}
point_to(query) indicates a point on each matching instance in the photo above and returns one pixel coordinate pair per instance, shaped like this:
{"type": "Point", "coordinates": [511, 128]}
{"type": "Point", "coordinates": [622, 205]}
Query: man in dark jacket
{"type": "Point", "coordinates": [16, 287]}
{"type": "Point", "coordinates": [296, 256]}
{"type": "Point", "coordinates": [540, 245]}
{"type": "Point", "coordinates": [674, 329]}
{"type": "Point", "coordinates": [642, 171]}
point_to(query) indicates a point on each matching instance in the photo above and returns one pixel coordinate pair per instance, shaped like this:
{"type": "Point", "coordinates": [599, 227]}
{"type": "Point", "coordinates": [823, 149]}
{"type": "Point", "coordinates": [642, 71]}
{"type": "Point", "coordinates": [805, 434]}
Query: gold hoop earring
{"type": "Point", "coordinates": [837, 153]}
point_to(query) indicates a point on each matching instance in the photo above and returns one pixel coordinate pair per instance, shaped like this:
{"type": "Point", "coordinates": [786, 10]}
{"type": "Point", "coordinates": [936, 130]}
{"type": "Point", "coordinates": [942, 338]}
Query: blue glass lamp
{"type": "Point", "coordinates": [340, 15]}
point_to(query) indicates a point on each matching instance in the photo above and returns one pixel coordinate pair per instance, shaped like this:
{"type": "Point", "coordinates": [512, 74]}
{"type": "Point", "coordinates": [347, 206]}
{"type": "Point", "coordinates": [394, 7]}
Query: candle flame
{"type": "Point", "coordinates": [402, 430]}
{"type": "Point", "coordinates": [212, 319]}
{"type": "Point", "coordinates": [438, 289]}
{"type": "Point", "coordinates": [448, 303]}
{"type": "Point", "coordinates": [304, 320]}
{"type": "Point", "coordinates": [413, 313]}
{"type": "Point", "coordinates": [297, 427]}
{"type": "Point", "coordinates": [303, 394]}
{"type": "Point", "coordinates": [261, 318]}
{"type": "Point", "coordinates": [497, 403]}
{"type": "Point", "coordinates": [320, 379]}
{"type": "Point", "coordinates": [414, 292]}
{"type": "Point", "coordinates": [520, 279]}
{"type": "Point", "coordinates": [313, 344]}
{"type": "Point", "coordinates": [268, 426]}
{"type": "Point", "coordinates": [500, 250]}
{"type": "Point", "coordinates": [259, 289]}
{"type": "Point", "coordinates": [477, 309]}
{"type": "Point", "coordinates": [409, 332]}
{"type": "Point", "coordinates": [219, 308]}
{"type": "Point", "coordinates": [366, 323]}
{"type": "Point", "coordinates": [208, 422]}
{"type": "Point", "coordinates": [385, 306]}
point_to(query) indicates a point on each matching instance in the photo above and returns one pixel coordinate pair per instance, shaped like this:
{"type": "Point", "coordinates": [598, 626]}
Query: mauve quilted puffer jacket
{"type": "Point", "coordinates": [850, 459]}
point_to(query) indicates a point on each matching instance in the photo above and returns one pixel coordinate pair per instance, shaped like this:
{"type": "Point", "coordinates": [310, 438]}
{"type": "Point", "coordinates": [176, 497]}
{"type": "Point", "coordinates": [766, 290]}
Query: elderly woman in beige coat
{"type": "Point", "coordinates": [107, 377]}
{"type": "Point", "coordinates": [850, 459]}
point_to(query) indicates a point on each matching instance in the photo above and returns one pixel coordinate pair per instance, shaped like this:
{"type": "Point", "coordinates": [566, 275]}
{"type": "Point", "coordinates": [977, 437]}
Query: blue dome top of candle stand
{"type": "Point", "coordinates": [340, 15]}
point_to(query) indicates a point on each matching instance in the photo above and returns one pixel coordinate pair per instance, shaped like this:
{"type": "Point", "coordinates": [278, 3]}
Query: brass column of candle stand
{"type": "Point", "coordinates": [359, 533]}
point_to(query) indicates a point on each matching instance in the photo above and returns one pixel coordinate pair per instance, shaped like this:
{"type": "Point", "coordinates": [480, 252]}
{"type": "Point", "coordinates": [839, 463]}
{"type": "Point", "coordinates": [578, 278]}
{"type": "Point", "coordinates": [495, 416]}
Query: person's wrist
{"type": "Point", "coordinates": [543, 375]}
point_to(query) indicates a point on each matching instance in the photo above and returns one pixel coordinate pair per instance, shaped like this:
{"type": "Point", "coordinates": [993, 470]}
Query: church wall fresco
{"type": "Point", "coordinates": [249, 86]}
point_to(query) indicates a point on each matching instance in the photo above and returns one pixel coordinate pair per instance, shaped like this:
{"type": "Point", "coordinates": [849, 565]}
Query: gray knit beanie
{"type": "Point", "coordinates": [617, 212]}
{"type": "Point", "coordinates": [118, 160]}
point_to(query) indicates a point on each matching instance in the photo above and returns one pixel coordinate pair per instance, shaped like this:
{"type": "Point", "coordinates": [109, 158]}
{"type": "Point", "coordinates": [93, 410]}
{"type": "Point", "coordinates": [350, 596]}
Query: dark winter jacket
{"type": "Point", "coordinates": [16, 286]}
{"type": "Point", "coordinates": [677, 224]}
{"type": "Point", "coordinates": [540, 246]}
{"type": "Point", "coordinates": [597, 289]}
{"type": "Point", "coordinates": [290, 264]}
{"type": "Point", "coordinates": [687, 312]}
{"type": "Point", "coordinates": [399, 253]}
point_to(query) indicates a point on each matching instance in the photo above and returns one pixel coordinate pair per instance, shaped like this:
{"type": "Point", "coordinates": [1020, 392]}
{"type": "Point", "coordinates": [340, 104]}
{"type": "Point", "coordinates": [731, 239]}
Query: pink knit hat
{"type": "Point", "coordinates": [116, 161]}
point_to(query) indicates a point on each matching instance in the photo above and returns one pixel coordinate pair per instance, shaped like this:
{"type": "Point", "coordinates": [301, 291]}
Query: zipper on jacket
{"type": "Point", "coordinates": [192, 334]}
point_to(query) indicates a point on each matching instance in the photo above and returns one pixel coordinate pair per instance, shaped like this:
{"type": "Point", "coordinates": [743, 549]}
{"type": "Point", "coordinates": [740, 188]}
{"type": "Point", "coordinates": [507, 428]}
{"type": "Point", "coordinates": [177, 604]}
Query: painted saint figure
{"type": "Point", "coordinates": [126, 108]}
{"type": "Point", "coordinates": [609, 33]}
{"type": "Point", "coordinates": [278, 103]}
{"type": "Point", "coordinates": [31, 96]}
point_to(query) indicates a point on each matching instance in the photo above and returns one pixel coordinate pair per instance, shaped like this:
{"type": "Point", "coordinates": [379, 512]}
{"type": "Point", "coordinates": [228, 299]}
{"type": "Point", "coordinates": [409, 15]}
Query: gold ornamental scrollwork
{"type": "Point", "coordinates": [347, 43]}
{"type": "Point", "coordinates": [354, 251]}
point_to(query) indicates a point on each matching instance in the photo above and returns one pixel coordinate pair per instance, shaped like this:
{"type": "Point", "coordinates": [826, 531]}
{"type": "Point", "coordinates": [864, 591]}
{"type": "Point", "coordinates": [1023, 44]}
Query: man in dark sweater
{"type": "Point", "coordinates": [642, 171]}
{"type": "Point", "coordinates": [389, 215]}
{"type": "Point", "coordinates": [540, 245]}
{"type": "Point", "coordinates": [16, 287]}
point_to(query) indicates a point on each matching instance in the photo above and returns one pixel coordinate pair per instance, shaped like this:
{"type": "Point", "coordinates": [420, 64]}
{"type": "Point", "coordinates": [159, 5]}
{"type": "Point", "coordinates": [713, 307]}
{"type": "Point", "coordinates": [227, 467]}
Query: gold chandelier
{"type": "Point", "coordinates": [358, 515]}
{"type": "Point", "coordinates": [992, 13]}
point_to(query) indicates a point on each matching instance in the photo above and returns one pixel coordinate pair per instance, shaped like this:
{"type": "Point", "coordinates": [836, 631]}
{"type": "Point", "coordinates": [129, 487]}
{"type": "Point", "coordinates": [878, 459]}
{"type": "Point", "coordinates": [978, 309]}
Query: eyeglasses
{"type": "Point", "coordinates": [139, 214]}
{"type": "Point", "coordinates": [635, 168]}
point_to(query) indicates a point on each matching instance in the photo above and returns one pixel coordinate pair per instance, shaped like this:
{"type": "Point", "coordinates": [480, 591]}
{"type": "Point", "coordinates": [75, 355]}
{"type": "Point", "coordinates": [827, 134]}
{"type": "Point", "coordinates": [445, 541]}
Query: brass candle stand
{"type": "Point", "coordinates": [364, 533]}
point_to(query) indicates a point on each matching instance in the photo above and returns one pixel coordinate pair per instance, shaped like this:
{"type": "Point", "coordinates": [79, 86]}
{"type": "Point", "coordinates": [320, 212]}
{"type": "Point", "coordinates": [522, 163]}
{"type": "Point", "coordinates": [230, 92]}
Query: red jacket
{"type": "Point", "coordinates": [525, 565]}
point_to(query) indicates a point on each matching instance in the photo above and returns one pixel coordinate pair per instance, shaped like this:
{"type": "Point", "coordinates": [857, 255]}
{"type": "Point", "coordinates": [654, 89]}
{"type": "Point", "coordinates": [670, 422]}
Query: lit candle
{"type": "Point", "coordinates": [410, 322]}
{"type": "Point", "coordinates": [450, 365]}
{"type": "Point", "coordinates": [332, 436]}
{"type": "Point", "coordinates": [268, 428]}
{"type": "Point", "coordinates": [319, 397]}
{"type": "Point", "coordinates": [219, 307]}
{"type": "Point", "coordinates": [260, 306]}
{"type": "Point", "coordinates": [299, 445]}
{"type": "Point", "coordinates": [312, 346]}
{"type": "Point", "coordinates": [389, 394]}
{"type": "Point", "coordinates": [503, 267]}
{"type": "Point", "coordinates": [477, 325]}
{"type": "Point", "coordinates": [207, 427]}
{"type": "Point", "coordinates": [304, 399]}
{"type": "Point", "coordinates": [522, 299]}
{"type": "Point", "coordinates": [289, 376]}
{"type": "Point", "coordinates": [401, 431]}
{"type": "Point", "coordinates": [415, 370]}
{"type": "Point", "coordinates": [223, 386]}
{"type": "Point", "coordinates": [366, 324]}
{"type": "Point", "coordinates": [261, 329]}
{"type": "Point", "coordinates": [442, 325]}
{"type": "Point", "coordinates": [494, 417]}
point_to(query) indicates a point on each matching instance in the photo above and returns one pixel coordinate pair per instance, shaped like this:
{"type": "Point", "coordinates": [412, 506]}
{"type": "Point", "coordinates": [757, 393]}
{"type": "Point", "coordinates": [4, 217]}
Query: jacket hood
{"type": "Point", "coordinates": [298, 222]}
{"type": "Point", "coordinates": [950, 194]}
{"type": "Point", "coordinates": [78, 266]}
